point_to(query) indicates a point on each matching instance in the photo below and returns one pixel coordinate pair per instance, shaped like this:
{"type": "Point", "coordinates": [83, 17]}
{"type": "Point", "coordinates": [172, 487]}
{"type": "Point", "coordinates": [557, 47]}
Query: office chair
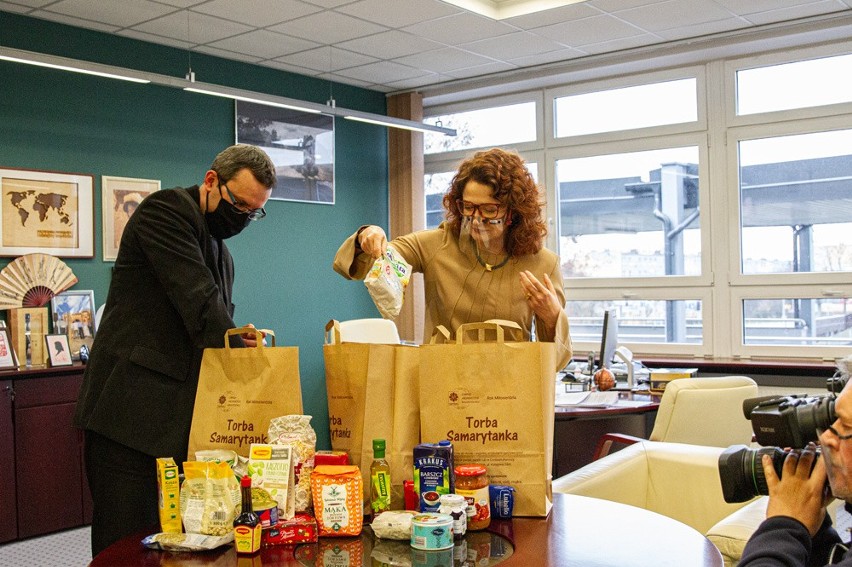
{"type": "Point", "coordinates": [380, 331]}
{"type": "Point", "coordinates": [699, 411]}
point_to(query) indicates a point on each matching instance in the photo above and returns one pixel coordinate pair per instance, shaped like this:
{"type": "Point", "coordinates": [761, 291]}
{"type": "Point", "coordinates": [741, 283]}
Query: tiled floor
{"type": "Point", "coordinates": [71, 548]}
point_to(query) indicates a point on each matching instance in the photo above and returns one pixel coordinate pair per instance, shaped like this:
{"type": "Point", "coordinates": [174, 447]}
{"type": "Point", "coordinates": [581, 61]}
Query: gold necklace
{"type": "Point", "coordinates": [489, 267]}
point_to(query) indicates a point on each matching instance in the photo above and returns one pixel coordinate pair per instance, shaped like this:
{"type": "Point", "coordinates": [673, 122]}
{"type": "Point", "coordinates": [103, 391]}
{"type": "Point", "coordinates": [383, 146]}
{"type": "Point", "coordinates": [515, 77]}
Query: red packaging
{"type": "Point", "coordinates": [302, 528]}
{"type": "Point", "coordinates": [411, 499]}
{"type": "Point", "coordinates": [331, 458]}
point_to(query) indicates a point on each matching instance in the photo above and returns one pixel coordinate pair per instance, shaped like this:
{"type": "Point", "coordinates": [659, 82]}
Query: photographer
{"type": "Point", "coordinates": [797, 531]}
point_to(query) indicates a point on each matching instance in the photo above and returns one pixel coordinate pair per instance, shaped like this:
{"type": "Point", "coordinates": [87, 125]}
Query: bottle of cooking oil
{"type": "Point", "coordinates": [380, 479]}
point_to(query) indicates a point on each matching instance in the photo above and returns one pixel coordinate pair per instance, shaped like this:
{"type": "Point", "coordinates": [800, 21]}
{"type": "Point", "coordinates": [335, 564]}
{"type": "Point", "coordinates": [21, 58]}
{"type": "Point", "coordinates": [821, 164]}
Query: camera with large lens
{"type": "Point", "coordinates": [787, 421]}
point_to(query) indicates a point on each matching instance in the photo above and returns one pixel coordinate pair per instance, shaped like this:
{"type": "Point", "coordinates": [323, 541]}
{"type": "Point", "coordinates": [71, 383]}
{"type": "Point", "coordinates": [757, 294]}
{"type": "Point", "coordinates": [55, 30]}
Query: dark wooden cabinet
{"type": "Point", "coordinates": [8, 500]}
{"type": "Point", "coordinates": [49, 490]}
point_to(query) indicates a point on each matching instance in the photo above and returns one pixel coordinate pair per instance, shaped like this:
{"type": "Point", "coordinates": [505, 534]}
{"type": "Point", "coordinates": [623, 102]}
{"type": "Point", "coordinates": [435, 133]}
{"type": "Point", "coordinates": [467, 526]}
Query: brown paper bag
{"type": "Point", "coordinates": [495, 402]}
{"type": "Point", "coordinates": [240, 390]}
{"type": "Point", "coordinates": [372, 394]}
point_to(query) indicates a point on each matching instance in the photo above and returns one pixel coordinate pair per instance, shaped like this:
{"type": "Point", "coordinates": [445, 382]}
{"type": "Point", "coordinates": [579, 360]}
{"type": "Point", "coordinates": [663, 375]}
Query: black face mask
{"type": "Point", "coordinates": [227, 220]}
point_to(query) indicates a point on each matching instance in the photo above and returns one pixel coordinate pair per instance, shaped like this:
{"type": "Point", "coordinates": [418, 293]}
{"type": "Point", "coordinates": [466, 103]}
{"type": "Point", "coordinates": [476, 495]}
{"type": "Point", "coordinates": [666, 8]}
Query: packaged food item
{"type": "Point", "coordinates": [168, 495]}
{"type": "Point", "coordinates": [431, 531]}
{"type": "Point", "coordinates": [296, 431]}
{"type": "Point", "coordinates": [217, 456]}
{"type": "Point", "coordinates": [409, 495]}
{"type": "Point", "coordinates": [380, 479]}
{"type": "Point", "coordinates": [386, 281]}
{"type": "Point", "coordinates": [455, 506]}
{"type": "Point", "coordinates": [338, 495]}
{"type": "Point", "coordinates": [301, 528]}
{"type": "Point", "coordinates": [331, 458]}
{"type": "Point", "coordinates": [209, 498]}
{"type": "Point", "coordinates": [502, 500]}
{"type": "Point", "coordinates": [472, 483]}
{"type": "Point", "coordinates": [186, 542]}
{"type": "Point", "coordinates": [433, 473]}
{"type": "Point", "coordinates": [247, 526]}
{"type": "Point", "coordinates": [271, 468]}
{"type": "Point", "coordinates": [265, 506]}
{"type": "Point", "coordinates": [393, 524]}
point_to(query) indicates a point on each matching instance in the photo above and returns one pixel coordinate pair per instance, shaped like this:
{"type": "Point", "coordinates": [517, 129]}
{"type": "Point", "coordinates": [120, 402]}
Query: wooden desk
{"type": "Point", "coordinates": [579, 532]}
{"type": "Point", "coordinates": [577, 430]}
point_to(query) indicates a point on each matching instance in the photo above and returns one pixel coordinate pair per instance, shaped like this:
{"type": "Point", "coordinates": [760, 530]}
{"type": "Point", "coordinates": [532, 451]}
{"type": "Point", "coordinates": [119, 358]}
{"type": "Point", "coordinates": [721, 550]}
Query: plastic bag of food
{"type": "Point", "coordinates": [296, 431]}
{"type": "Point", "coordinates": [186, 542]}
{"type": "Point", "coordinates": [386, 281]}
{"type": "Point", "coordinates": [393, 524]}
{"type": "Point", "coordinates": [209, 497]}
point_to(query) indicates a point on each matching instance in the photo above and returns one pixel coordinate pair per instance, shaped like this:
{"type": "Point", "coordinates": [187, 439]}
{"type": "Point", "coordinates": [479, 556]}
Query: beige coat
{"type": "Point", "coordinates": [459, 289]}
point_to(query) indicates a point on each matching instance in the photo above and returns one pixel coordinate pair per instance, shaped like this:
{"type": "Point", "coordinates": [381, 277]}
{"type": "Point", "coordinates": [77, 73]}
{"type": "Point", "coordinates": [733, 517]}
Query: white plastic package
{"type": "Point", "coordinates": [393, 524]}
{"type": "Point", "coordinates": [386, 282]}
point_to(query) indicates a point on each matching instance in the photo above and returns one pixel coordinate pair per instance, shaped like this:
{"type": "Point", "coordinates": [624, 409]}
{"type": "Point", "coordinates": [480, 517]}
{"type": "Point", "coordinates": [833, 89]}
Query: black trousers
{"type": "Point", "coordinates": [123, 483]}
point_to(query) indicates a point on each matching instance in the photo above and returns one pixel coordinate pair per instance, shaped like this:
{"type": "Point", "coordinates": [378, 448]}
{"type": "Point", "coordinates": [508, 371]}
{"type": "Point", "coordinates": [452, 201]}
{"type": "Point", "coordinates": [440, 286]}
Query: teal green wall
{"type": "Point", "coordinates": [67, 122]}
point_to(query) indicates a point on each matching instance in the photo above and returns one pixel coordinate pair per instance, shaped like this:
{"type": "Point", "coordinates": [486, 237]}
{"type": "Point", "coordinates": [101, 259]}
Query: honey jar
{"type": "Point", "coordinates": [472, 483]}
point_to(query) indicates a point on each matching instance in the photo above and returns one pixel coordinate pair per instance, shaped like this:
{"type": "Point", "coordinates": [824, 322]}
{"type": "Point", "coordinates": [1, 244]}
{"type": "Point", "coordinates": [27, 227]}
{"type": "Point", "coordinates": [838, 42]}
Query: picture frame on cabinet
{"type": "Point", "coordinates": [119, 198]}
{"type": "Point", "coordinates": [58, 351]}
{"type": "Point", "coordinates": [300, 144]}
{"type": "Point", "coordinates": [73, 314]}
{"type": "Point", "coordinates": [48, 212]}
{"type": "Point", "coordinates": [7, 352]}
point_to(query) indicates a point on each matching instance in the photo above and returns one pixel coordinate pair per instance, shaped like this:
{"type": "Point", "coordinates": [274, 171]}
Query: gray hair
{"type": "Point", "coordinates": [233, 159]}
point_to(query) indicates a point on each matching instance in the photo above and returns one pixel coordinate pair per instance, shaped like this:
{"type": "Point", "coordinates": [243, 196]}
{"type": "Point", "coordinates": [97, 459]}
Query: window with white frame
{"type": "Point", "coordinates": [712, 220]}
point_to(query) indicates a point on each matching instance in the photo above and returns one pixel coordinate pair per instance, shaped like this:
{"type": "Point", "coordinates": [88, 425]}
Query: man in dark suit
{"type": "Point", "coordinates": [169, 299]}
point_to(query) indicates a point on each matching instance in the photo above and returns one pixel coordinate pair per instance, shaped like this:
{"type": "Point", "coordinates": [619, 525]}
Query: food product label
{"type": "Point", "coordinates": [335, 513]}
{"type": "Point", "coordinates": [479, 499]}
{"type": "Point", "coordinates": [432, 475]}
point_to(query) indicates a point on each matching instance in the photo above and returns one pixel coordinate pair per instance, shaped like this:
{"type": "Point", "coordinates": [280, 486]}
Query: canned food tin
{"type": "Point", "coordinates": [430, 531]}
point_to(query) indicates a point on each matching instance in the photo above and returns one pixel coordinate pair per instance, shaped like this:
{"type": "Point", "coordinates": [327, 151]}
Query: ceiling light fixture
{"type": "Point", "coordinates": [189, 84]}
{"type": "Point", "coordinates": [502, 9]}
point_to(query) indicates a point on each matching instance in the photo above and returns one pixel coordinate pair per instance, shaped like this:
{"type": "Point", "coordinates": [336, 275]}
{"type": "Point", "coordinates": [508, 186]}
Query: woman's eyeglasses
{"type": "Point", "coordinates": [486, 210]}
{"type": "Point", "coordinates": [253, 214]}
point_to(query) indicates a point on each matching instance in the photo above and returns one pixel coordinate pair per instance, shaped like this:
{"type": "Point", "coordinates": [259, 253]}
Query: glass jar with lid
{"type": "Point", "coordinates": [472, 483]}
{"type": "Point", "coordinates": [455, 505]}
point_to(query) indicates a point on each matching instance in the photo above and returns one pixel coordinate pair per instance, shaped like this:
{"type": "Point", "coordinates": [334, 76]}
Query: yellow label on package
{"type": "Point", "coordinates": [271, 468]}
{"type": "Point", "coordinates": [168, 491]}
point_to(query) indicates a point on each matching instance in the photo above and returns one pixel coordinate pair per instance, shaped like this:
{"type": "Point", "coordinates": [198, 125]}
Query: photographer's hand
{"type": "Point", "coordinates": [800, 493]}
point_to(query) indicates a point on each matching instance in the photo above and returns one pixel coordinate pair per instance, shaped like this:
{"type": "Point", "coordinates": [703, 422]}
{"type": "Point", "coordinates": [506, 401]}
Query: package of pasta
{"type": "Point", "coordinates": [209, 498]}
{"type": "Point", "coordinates": [338, 495]}
{"type": "Point", "coordinates": [386, 281]}
{"type": "Point", "coordinates": [296, 431]}
{"type": "Point", "coordinates": [186, 542]}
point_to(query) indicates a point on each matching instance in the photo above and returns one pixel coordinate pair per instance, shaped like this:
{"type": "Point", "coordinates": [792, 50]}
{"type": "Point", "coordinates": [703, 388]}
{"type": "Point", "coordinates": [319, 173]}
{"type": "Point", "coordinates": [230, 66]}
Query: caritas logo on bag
{"type": "Point", "coordinates": [227, 401]}
{"type": "Point", "coordinates": [461, 398]}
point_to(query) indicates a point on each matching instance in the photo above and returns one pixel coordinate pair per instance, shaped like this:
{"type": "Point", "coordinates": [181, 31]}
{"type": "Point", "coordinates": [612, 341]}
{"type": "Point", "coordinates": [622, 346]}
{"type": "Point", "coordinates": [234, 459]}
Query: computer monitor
{"type": "Point", "coordinates": [609, 338]}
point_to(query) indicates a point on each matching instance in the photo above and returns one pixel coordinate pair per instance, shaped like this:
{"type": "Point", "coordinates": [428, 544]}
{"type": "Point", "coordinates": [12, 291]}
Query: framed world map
{"type": "Point", "coordinates": [48, 212]}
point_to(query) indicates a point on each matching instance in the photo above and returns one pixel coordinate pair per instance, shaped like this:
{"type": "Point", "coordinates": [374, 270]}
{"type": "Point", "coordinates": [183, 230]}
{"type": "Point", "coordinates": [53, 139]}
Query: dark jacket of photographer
{"type": "Point", "coordinates": [783, 541]}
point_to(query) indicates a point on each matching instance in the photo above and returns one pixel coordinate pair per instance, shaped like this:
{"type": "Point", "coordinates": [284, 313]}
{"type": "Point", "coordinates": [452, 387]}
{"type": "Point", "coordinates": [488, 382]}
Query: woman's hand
{"type": "Point", "coordinates": [542, 298]}
{"type": "Point", "coordinates": [373, 241]}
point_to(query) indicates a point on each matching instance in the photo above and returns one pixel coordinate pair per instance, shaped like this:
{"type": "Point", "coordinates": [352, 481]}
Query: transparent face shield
{"type": "Point", "coordinates": [480, 233]}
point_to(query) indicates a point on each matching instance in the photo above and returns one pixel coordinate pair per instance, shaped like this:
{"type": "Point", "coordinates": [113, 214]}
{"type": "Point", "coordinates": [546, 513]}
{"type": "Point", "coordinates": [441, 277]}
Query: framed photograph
{"type": "Point", "coordinates": [47, 212]}
{"type": "Point", "coordinates": [301, 145]}
{"type": "Point", "coordinates": [119, 198]}
{"type": "Point", "coordinates": [58, 351]}
{"type": "Point", "coordinates": [7, 353]}
{"type": "Point", "coordinates": [74, 317]}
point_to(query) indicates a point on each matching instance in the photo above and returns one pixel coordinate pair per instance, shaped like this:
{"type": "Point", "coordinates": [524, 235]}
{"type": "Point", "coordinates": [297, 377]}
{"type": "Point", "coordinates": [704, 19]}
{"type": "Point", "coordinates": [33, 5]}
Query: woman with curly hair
{"type": "Point", "coordinates": [486, 260]}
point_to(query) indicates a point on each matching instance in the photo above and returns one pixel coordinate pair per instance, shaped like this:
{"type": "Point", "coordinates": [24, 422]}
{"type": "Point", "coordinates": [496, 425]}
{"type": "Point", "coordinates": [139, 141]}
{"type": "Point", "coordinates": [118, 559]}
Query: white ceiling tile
{"type": "Point", "coordinates": [226, 55]}
{"type": "Point", "coordinates": [496, 67]}
{"type": "Point", "coordinates": [515, 44]}
{"type": "Point", "coordinates": [72, 21]}
{"type": "Point", "coordinates": [390, 45]}
{"type": "Point", "coordinates": [330, 26]}
{"type": "Point", "coordinates": [193, 27]}
{"type": "Point", "coordinates": [398, 13]}
{"type": "Point", "coordinates": [547, 17]}
{"type": "Point", "coordinates": [794, 12]}
{"type": "Point", "coordinates": [264, 44]}
{"type": "Point", "coordinates": [180, 3]}
{"type": "Point", "coordinates": [674, 13]}
{"type": "Point", "coordinates": [28, 3]}
{"type": "Point", "coordinates": [588, 30]}
{"type": "Point", "coordinates": [346, 80]}
{"type": "Point", "coordinates": [156, 39]}
{"type": "Point", "coordinates": [461, 27]}
{"type": "Point", "coordinates": [621, 43]}
{"type": "Point", "coordinates": [329, 3]}
{"type": "Point", "coordinates": [442, 60]}
{"type": "Point", "coordinates": [610, 6]}
{"type": "Point", "coordinates": [284, 66]}
{"type": "Point", "coordinates": [382, 72]}
{"type": "Point", "coordinates": [260, 13]}
{"type": "Point", "coordinates": [717, 26]}
{"type": "Point", "coordinates": [14, 8]}
{"type": "Point", "coordinates": [423, 81]}
{"type": "Point", "coordinates": [120, 13]}
{"type": "Point", "coordinates": [564, 54]}
{"type": "Point", "coordinates": [322, 60]}
{"type": "Point", "coordinates": [755, 6]}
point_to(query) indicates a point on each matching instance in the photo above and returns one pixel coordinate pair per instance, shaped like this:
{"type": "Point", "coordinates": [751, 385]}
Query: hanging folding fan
{"type": "Point", "coordinates": [32, 280]}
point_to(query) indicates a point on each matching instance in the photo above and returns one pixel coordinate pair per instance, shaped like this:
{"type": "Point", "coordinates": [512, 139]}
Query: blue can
{"type": "Point", "coordinates": [502, 501]}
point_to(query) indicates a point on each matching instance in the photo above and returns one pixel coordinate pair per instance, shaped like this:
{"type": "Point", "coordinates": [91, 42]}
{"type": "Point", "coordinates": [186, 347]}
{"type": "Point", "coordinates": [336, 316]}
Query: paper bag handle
{"type": "Point", "coordinates": [258, 333]}
{"type": "Point", "coordinates": [334, 326]}
{"type": "Point", "coordinates": [440, 331]}
{"type": "Point", "coordinates": [495, 325]}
